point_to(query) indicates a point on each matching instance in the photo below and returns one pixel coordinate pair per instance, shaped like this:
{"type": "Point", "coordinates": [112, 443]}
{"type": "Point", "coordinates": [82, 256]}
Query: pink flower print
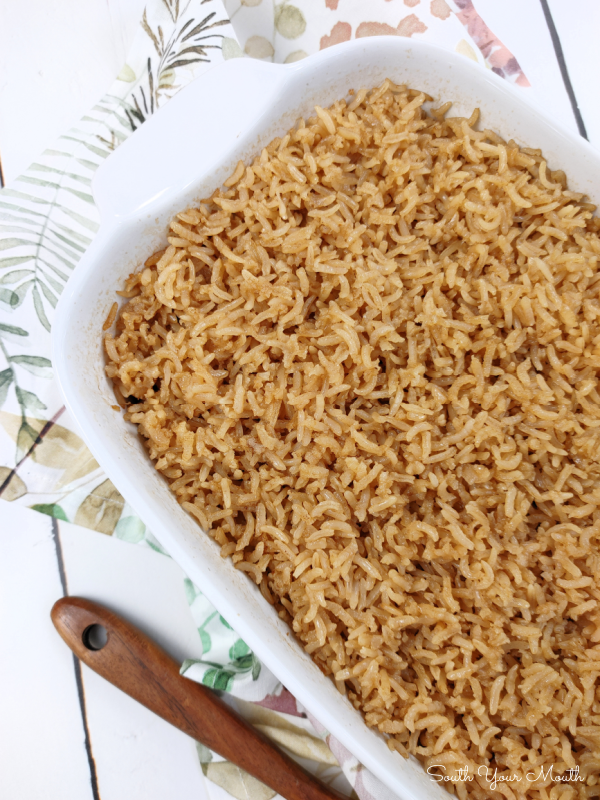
{"type": "Point", "coordinates": [499, 57]}
{"type": "Point", "coordinates": [406, 27]}
{"type": "Point", "coordinates": [341, 32]}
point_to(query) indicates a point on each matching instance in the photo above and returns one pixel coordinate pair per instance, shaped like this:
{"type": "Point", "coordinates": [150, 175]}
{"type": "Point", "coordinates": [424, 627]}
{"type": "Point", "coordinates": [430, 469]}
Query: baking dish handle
{"type": "Point", "coordinates": [209, 116]}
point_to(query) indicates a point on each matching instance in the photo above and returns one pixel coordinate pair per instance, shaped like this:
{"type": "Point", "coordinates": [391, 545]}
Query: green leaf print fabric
{"type": "Point", "coordinates": [227, 662]}
{"type": "Point", "coordinates": [47, 221]}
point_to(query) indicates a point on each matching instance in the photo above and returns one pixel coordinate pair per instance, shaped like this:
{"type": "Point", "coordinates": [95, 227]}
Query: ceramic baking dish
{"type": "Point", "coordinates": [181, 155]}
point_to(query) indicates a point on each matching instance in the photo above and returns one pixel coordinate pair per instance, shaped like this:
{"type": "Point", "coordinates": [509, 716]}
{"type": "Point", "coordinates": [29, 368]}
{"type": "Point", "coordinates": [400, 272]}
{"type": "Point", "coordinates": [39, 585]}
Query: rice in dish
{"type": "Point", "coordinates": [368, 367]}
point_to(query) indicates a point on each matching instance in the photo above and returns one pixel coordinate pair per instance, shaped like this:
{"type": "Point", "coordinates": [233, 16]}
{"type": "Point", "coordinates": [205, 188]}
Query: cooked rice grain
{"type": "Point", "coordinates": [369, 369]}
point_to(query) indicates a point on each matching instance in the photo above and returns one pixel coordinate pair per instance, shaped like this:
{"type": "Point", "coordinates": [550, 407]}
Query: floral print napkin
{"type": "Point", "coordinates": [47, 221]}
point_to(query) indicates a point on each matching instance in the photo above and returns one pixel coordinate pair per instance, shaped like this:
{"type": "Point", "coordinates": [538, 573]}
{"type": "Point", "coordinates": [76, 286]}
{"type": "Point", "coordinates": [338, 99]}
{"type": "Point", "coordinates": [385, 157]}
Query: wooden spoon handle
{"type": "Point", "coordinates": [140, 668]}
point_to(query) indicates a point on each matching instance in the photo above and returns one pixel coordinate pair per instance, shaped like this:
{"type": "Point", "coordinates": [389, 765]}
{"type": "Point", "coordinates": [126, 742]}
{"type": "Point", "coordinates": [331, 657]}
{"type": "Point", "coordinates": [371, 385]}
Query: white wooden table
{"type": "Point", "coordinates": [64, 732]}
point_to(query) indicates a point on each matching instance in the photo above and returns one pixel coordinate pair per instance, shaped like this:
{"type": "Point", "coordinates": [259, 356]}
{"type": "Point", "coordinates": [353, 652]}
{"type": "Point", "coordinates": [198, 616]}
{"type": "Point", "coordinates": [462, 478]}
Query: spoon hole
{"type": "Point", "coordinates": [94, 637]}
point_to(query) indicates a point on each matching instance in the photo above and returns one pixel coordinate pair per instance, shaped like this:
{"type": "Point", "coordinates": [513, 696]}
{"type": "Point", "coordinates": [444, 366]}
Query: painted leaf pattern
{"type": "Point", "coordinates": [223, 652]}
{"type": "Point", "coordinates": [47, 221]}
{"type": "Point", "coordinates": [285, 31]}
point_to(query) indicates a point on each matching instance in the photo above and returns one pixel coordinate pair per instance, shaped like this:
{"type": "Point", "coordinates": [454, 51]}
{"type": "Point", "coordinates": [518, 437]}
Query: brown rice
{"type": "Point", "coordinates": [369, 368]}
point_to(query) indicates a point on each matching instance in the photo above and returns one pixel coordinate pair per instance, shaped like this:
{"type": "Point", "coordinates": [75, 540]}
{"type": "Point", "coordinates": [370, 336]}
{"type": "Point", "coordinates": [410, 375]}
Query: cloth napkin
{"type": "Point", "coordinates": [47, 221]}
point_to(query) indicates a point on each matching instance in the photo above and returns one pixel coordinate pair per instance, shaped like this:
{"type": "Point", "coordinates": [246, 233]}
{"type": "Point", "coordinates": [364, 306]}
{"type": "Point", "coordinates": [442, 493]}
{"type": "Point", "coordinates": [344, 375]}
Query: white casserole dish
{"type": "Point", "coordinates": [181, 155]}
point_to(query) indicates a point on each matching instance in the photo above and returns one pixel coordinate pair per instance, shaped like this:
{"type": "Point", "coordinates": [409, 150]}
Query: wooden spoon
{"type": "Point", "coordinates": [131, 661]}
